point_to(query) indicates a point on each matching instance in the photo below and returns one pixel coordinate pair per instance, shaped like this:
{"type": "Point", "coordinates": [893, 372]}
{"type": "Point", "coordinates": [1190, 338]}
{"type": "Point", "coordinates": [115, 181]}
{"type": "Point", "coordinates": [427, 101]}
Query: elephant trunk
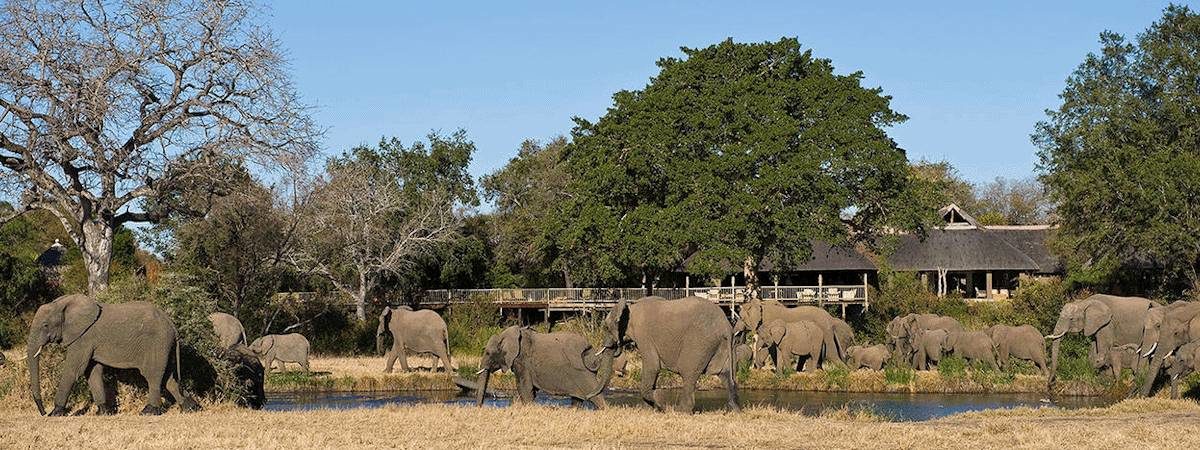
{"type": "Point", "coordinates": [34, 356]}
{"type": "Point", "coordinates": [1156, 363]}
{"type": "Point", "coordinates": [1054, 348]}
{"type": "Point", "coordinates": [483, 385]}
{"type": "Point", "coordinates": [604, 371]}
{"type": "Point", "coordinates": [384, 318]}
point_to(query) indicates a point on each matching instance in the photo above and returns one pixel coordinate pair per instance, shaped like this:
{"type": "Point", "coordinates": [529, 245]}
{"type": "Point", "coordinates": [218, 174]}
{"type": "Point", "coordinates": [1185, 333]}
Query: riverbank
{"type": "Point", "coordinates": [1146, 423]}
{"type": "Point", "coordinates": [365, 374]}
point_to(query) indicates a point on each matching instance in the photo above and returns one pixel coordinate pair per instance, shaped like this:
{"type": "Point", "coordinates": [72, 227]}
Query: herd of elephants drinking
{"type": "Point", "coordinates": [691, 337]}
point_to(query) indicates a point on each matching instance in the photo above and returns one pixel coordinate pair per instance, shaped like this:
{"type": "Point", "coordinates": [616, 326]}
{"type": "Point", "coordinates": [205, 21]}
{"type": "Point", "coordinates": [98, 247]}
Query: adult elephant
{"type": "Point", "coordinates": [843, 335]}
{"type": "Point", "coordinates": [1021, 342]}
{"type": "Point", "coordinates": [800, 339]}
{"type": "Point", "coordinates": [973, 346]}
{"type": "Point", "coordinates": [1108, 319]}
{"type": "Point", "coordinates": [1161, 337]}
{"type": "Point", "coordinates": [228, 329]}
{"type": "Point", "coordinates": [416, 331]}
{"type": "Point", "coordinates": [135, 335]}
{"type": "Point", "coordinates": [902, 330]}
{"type": "Point", "coordinates": [559, 363]}
{"type": "Point", "coordinates": [689, 336]}
{"type": "Point", "coordinates": [756, 313]}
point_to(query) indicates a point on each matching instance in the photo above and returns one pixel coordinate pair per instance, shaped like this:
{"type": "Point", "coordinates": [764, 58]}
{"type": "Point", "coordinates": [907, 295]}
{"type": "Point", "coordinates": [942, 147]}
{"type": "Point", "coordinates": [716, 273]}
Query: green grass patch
{"type": "Point", "coordinates": [898, 375]}
{"type": "Point", "coordinates": [837, 375]}
{"type": "Point", "coordinates": [952, 367]}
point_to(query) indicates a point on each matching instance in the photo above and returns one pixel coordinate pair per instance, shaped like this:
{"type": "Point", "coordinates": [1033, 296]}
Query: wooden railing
{"type": "Point", "coordinates": [564, 299]}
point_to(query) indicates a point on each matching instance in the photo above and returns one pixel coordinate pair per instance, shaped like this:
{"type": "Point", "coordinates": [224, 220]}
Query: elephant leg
{"type": "Point", "coordinates": [1175, 387]}
{"type": "Point", "coordinates": [390, 359]}
{"type": "Point", "coordinates": [403, 356]}
{"type": "Point", "coordinates": [73, 367]}
{"type": "Point", "coordinates": [185, 403]}
{"type": "Point", "coordinates": [154, 382]}
{"type": "Point", "coordinates": [599, 402]}
{"type": "Point", "coordinates": [445, 357]}
{"type": "Point", "coordinates": [304, 365]}
{"type": "Point", "coordinates": [649, 385]}
{"type": "Point", "coordinates": [687, 392]}
{"type": "Point", "coordinates": [831, 348]}
{"type": "Point", "coordinates": [105, 403]}
{"type": "Point", "coordinates": [525, 389]}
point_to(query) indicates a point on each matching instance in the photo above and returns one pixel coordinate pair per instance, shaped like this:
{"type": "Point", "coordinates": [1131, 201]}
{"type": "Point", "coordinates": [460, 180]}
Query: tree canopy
{"type": "Point", "coordinates": [1121, 155]}
{"type": "Point", "coordinates": [736, 152]}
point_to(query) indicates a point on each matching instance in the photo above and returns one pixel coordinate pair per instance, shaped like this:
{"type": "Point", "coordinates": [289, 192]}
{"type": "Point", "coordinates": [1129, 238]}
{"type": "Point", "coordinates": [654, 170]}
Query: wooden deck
{"type": "Point", "coordinates": [591, 299]}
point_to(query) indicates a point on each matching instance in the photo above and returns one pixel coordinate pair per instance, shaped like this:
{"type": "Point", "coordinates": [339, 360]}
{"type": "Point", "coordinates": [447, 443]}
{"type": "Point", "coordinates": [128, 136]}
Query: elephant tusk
{"type": "Point", "coordinates": [481, 371]}
{"type": "Point", "coordinates": [1151, 351]}
{"type": "Point", "coordinates": [1055, 336]}
{"type": "Point", "coordinates": [39, 352]}
{"type": "Point", "coordinates": [599, 352]}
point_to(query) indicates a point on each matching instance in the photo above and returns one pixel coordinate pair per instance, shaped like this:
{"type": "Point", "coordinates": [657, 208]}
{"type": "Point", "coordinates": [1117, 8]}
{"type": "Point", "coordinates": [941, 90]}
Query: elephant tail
{"type": "Point", "coordinates": [244, 340]}
{"type": "Point", "coordinates": [178, 367]}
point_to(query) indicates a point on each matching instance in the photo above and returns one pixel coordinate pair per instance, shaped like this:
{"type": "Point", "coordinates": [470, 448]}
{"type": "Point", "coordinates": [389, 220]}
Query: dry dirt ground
{"type": "Point", "coordinates": [1152, 423]}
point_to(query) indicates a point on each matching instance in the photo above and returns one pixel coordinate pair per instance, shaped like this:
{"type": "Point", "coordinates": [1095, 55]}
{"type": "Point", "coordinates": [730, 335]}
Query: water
{"type": "Point", "coordinates": [898, 407]}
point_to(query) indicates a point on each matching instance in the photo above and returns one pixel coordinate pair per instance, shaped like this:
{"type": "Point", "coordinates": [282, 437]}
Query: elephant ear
{"type": "Point", "coordinates": [79, 313]}
{"type": "Point", "coordinates": [617, 322]}
{"type": "Point", "coordinates": [775, 331]}
{"type": "Point", "coordinates": [511, 345]}
{"type": "Point", "coordinates": [1095, 316]}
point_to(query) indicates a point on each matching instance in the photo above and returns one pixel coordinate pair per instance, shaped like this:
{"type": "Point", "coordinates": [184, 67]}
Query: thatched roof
{"type": "Point", "coordinates": [1032, 241]}
{"type": "Point", "coordinates": [960, 250]}
{"type": "Point", "coordinates": [826, 258]}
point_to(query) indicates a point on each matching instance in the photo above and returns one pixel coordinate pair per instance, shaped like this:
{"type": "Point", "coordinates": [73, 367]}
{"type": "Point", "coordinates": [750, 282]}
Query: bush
{"type": "Point", "coordinates": [1073, 363]}
{"type": "Point", "coordinates": [952, 367]}
{"type": "Point", "coordinates": [471, 324]}
{"type": "Point", "coordinates": [894, 373]}
{"type": "Point", "coordinates": [1040, 301]}
{"type": "Point", "coordinates": [205, 372]}
{"type": "Point", "coordinates": [335, 333]}
{"type": "Point", "coordinates": [837, 375]}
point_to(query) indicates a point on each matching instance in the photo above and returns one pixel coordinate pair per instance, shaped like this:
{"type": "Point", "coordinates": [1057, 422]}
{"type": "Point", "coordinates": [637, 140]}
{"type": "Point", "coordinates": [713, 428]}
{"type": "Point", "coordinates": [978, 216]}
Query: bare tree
{"type": "Point", "coordinates": [362, 223]}
{"type": "Point", "coordinates": [110, 110]}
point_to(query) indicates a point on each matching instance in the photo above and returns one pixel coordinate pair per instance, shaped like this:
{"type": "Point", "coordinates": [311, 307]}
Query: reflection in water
{"type": "Point", "coordinates": [899, 407]}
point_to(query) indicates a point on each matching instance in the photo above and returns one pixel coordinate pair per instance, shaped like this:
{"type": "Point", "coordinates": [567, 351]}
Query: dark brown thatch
{"type": "Point", "coordinates": [826, 258]}
{"type": "Point", "coordinates": [970, 249]}
{"type": "Point", "coordinates": [1032, 241]}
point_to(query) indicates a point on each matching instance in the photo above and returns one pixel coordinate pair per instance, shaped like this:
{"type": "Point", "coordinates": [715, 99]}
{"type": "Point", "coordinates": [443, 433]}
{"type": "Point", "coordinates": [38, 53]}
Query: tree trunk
{"type": "Point", "coordinates": [96, 246]}
{"type": "Point", "coordinates": [360, 298]}
{"type": "Point", "coordinates": [749, 270]}
{"type": "Point", "coordinates": [567, 282]}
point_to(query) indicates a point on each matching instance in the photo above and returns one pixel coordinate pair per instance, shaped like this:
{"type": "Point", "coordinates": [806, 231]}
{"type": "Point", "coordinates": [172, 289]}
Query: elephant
{"type": "Point", "coordinates": [620, 363]}
{"type": "Point", "coordinates": [417, 331]}
{"type": "Point", "coordinates": [1112, 321]}
{"type": "Point", "coordinates": [1120, 356]}
{"type": "Point", "coordinates": [872, 357]}
{"type": "Point", "coordinates": [689, 336]}
{"type": "Point", "coordinates": [558, 363]}
{"type": "Point", "coordinates": [928, 345]}
{"type": "Point", "coordinates": [134, 335]}
{"type": "Point", "coordinates": [1179, 325]}
{"type": "Point", "coordinates": [285, 348]}
{"type": "Point", "coordinates": [756, 313]}
{"type": "Point", "coordinates": [229, 330]}
{"type": "Point", "coordinates": [250, 374]}
{"type": "Point", "coordinates": [973, 346]}
{"type": "Point", "coordinates": [802, 339]}
{"type": "Point", "coordinates": [1181, 364]}
{"type": "Point", "coordinates": [901, 331]}
{"type": "Point", "coordinates": [1021, 342]}
{"type": "Point", "coordinates": [843, 335]}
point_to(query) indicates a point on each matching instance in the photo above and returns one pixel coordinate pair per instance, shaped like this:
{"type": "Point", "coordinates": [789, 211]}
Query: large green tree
{"type": "Point", "coordinates": [1121, 155]}
{"type": "Point", "coordinates": [733, 153]}
{"type": "Point", "coordinates": [529, 194]}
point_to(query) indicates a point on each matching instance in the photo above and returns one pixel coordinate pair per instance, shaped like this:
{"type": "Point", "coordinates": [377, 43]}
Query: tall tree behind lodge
{"type": "Point", "coordinates": [734, 153]}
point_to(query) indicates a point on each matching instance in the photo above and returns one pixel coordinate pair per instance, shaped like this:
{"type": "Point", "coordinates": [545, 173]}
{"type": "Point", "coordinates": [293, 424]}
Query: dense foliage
{"type": "Point", "coordinates": [733, 153]}
{"type": "Point", "coordinates": [1121, 156]}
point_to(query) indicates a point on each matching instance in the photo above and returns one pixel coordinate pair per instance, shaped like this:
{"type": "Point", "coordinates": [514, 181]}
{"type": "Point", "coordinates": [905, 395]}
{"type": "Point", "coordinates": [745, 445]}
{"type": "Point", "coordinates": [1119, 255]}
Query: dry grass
{"type": "Point", "coordinates": [1143, 424]}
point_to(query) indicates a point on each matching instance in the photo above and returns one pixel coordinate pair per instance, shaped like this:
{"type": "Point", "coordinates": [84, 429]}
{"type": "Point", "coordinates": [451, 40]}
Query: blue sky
{"type": "Point", "coordinates": [974, 78]}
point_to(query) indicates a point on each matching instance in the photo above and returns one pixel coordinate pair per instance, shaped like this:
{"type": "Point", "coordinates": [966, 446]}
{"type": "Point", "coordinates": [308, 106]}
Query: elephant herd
{"type": "Point", "coordinates": [691, 337]}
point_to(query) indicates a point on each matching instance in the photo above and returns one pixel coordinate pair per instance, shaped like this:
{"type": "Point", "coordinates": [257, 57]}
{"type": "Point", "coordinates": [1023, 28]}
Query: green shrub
{"type": "Point", "coordinates": [471, 324]}
{"type": "Point", "coordinates": [986, 375]}
{"type": "Point", "coordinates": [341, 334]}
{"type": "Point", "coordinates": [897, 374]}
{"type": "Point", "coordinates": [837, 375]}
{"type": "Point", "coordinates": [1039, 302]}
{"type": "Point", "coordinates": [952, 367]}
{"type": "Point", "coordinates": [1073, 363]}
{"type": "Point", "coordinates": [743, 371]}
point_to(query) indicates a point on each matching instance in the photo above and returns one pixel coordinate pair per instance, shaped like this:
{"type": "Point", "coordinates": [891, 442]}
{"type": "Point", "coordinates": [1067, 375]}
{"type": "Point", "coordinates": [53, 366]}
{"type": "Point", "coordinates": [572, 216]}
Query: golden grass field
{"type": "Point", "coordinates": [1146, 423]}
{"type": "Point", "coordinates": [1152, 423]}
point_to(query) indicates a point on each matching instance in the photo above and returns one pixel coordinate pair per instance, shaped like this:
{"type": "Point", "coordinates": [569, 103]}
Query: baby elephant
{"type": "Point", "coordinates": [1181, 364]}
{"type": "Point", "coordinates": [802, 339]}
{"type": "Point", "coordinates": [872, 357]}
{"type": "Point", "coordinates": [1021, 342]}
{"type": "Point", "coordinates": [972, 346]}
{"type": "Point", "coordinates": [928, 346]}
{"type": "Point", "coordinates": [285, 348]}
